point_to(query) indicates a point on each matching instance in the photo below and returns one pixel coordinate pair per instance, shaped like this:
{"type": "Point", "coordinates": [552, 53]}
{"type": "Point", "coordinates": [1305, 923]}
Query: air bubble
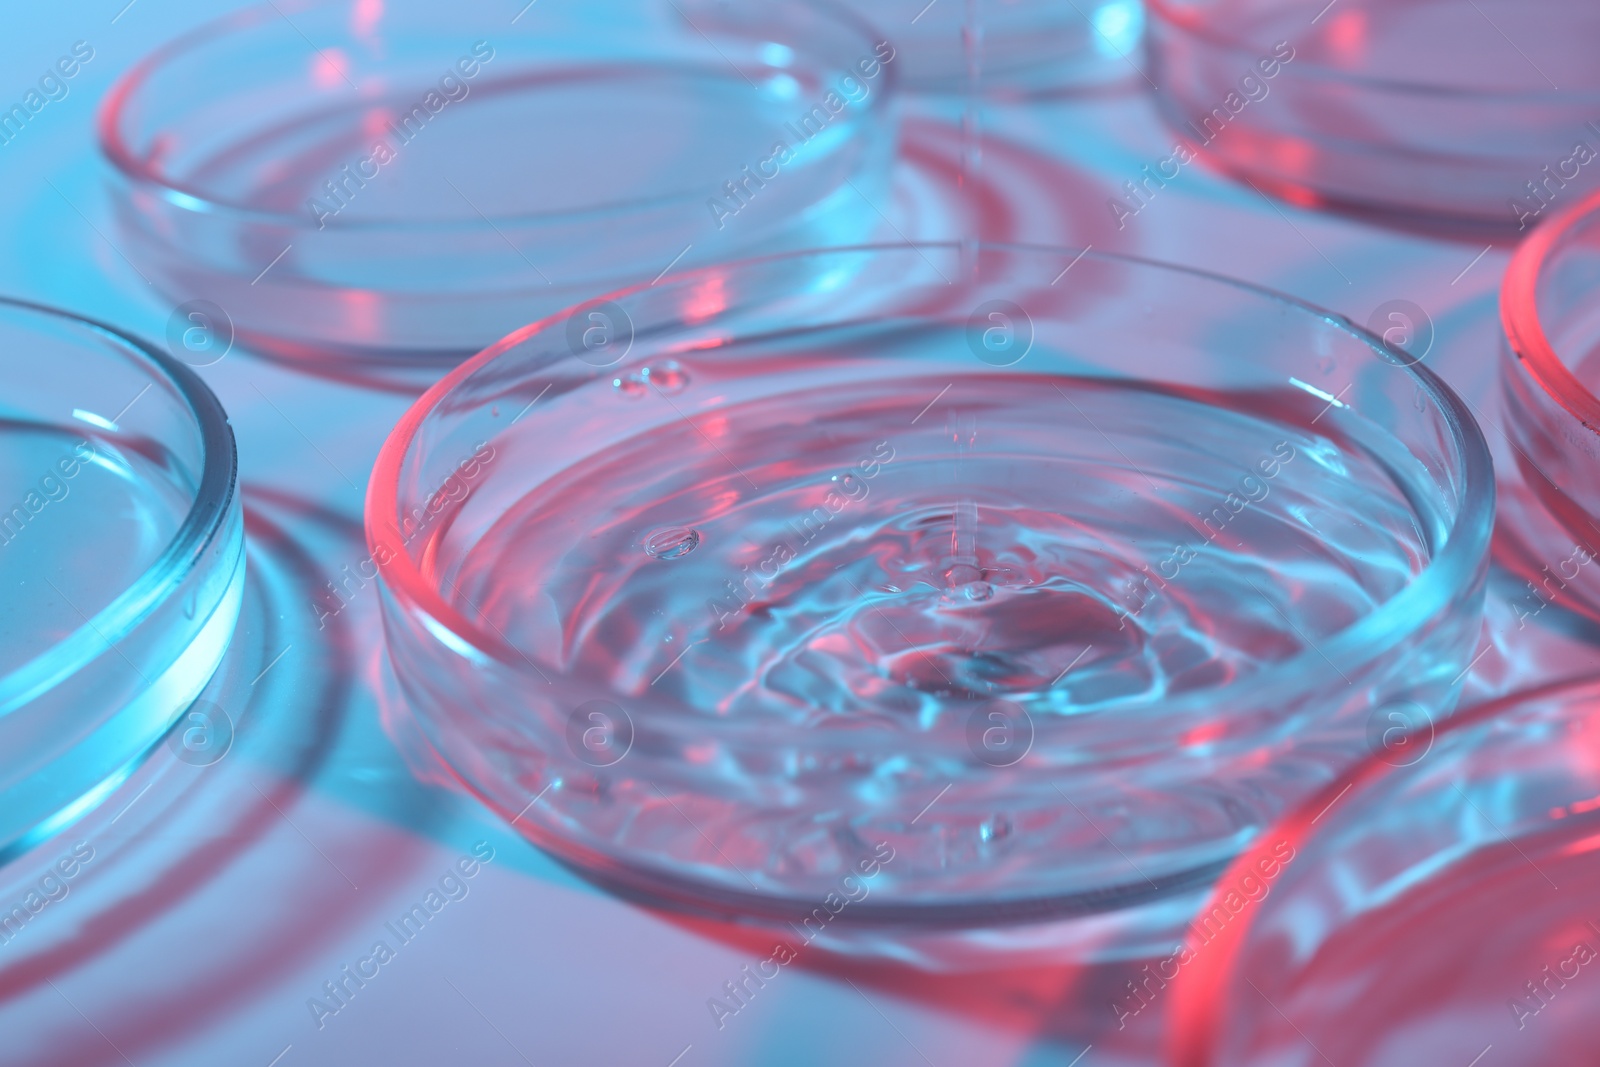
{"type": "Point", "coordinates": [995, 828]}
{"type": "Point", "coordinates": [674, 542]}
{"type": "Point", "coordinates": [670, 377]}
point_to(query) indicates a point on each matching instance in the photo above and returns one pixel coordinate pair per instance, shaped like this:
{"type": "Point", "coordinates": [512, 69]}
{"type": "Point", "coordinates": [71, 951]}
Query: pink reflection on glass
{"type": "Point", "coordinates": [365, 17]}
{"type": "Point", "coordinates": [1347, 36]}
{"type": "Point", "coordinates": [705, 300]}
{"type": "Point", "coordinates": [329, 67]}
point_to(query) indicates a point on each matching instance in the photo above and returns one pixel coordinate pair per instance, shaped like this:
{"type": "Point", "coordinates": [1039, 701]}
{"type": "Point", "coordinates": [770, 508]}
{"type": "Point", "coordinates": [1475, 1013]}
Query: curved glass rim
{"type": "Point", "coordinates": [1196, 1015]}
{"type": "Point", "coordinates": [217, 484]}
{"type": "Point", "coordinates": [1167, 12]}
{"type": "Point", "coordinates": [1429, 592]}
{"type": "Point", "coordinates": [1519, 312]}
{"type": "Point", "coordinates": [122, 94]}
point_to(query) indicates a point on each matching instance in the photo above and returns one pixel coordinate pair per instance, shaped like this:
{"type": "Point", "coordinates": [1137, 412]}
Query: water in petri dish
{"type": "Point", "coordinates": [660, 112]}
{"type": "Point", "coordinates": [828, 555]}
{"type": "Point", "coordinates": [689, 129]}
{"type": "Point", "coordinates": [81, 518]}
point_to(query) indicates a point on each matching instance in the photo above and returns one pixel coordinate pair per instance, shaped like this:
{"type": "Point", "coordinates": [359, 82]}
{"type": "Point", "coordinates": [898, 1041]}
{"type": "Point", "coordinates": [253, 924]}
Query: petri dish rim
{"type": "Point", "coordinates": [1199, 999]}
{"type": "Point", "coordinates": [1430, 592]}
{"type": "Point", "coordinates": [217, 485]}
{"type": "Point", "coordinates": [1205, 30]}
{"type": "Point", "coordinates": [1519, 312]}
{"type": "Point", "coordinates": [122, 95]}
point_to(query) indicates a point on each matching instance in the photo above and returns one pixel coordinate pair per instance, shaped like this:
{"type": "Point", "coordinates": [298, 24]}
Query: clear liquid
{"type": "Point", "coordinates": [321, 167]}
{"type": "Point", "coordinates": [70, 543]}
{"type": "Point", "coordinates": [852, 563]}
{"type": "Point", "coordinates": [659, 110]}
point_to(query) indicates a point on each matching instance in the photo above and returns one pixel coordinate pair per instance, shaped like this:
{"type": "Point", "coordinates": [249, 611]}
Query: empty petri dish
{"type": "Point", "coordinates": [1008, 46]}
{"type": "Point", "coordinates": [1032, 581]}
{"type": "Point", "coordinates": [1418, 112]}
{"type": "Point", "coordinates": [1437, 902]}
{"type": "Point", "coordinates": [1549, 372]}
{"type": "Point", "coordinates": [121, 559]}
{"type": "Point", "coordinates": [410, 181]}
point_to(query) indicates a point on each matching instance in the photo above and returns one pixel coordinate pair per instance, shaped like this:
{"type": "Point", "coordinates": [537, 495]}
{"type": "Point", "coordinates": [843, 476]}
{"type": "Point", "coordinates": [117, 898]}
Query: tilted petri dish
{"type": "Point", "coordinates": [1002, 47]}
{"type": "Point", "coordinates": [1036, 581]}
{"type": "Point", "coordinates": [1437, 902]}
{"type": "Point", "coordinates": [1550, 309]}
{"type": "Point", "coordinates": [1462, 117]}
{"type": "Point", "coordinates": [121, 559]}
{"type": "Point", "coordinates": [411, 181]}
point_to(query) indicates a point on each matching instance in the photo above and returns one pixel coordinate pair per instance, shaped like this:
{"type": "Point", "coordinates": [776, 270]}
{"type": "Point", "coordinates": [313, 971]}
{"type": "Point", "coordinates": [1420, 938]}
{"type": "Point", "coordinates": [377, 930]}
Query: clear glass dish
{"type": "Point", "coordinates": [1008, 46]}
{"type": "Point", "coordinates": [121, 559]}
{"type": "Point", "coordinates": [205, 822]}
{"type": "Point", "coordinates": [1431, 113]}
{"type": "Point", "coordinates": [1551, 316]}
{"type": "Point", "coordinates": [1437, 902]}
{"type": "Point", "coordinates": [1052, 575]}
{"type": "Point", "coordinates": [410, 181]}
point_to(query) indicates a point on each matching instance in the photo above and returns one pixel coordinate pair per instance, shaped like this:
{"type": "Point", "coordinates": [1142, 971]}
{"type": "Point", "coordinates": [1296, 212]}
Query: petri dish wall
{"type": "Point", "coordinates": [411, 181]}
{"type": "Point", "coordinates": [1053, 575]}
{"type": "Point", "coordinates": [1436, 904]}
{"type": "Point", "coordinates": [1548, 375]}
{"type": "Point", "coordinates": [121, 559]}
{"type": "Point", "coordinates": [1475, 117]}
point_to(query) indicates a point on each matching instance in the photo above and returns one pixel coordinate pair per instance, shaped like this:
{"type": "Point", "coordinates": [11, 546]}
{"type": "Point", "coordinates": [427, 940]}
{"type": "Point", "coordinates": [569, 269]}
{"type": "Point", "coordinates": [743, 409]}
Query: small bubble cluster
{"type": "Point", "coordinates": [669, 378]}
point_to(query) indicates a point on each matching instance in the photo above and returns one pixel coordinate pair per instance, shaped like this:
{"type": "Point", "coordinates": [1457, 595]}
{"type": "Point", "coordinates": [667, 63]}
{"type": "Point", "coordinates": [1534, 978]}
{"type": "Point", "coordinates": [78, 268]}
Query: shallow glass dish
{"type": "Point", "coordinates": [121, 559]}
{"type": "Point", "coordinates": [1470, 117]}
{"type": "Point", "coordinates": [1008, 46]}
{"type": "Point", "coordinates": [1550, 308]}
{"type": "Point", "coordinates": [412, 180]}
{"type": "Point", "coordinates": [1036, 581]}
{"type": "Point", "coordinates": [1437, 902]}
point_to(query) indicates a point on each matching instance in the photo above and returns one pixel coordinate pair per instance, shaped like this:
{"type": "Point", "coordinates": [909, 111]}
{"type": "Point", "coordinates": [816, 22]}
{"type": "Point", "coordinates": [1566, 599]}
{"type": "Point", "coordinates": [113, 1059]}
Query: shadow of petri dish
{"type": "Point", "coordinates": [408, 182]}
{"type": "Point", "coordinates": [121, 560]}
{"type": "Point", "coordinates": [1052, 575]}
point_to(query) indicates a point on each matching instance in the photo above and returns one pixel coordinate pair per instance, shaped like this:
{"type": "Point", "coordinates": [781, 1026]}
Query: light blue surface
{"type": "Point", "coordinates": [531, 965]}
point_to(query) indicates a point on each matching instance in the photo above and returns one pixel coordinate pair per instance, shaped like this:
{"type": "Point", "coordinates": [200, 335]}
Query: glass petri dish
{"type": "Point", "coordinates": [1051, 575]}
{"type": "Point", "coordinates": [1548, 377]}
{"type": "Point", "coordinates": [1008, 46]}
{"type": "Point", "coordinates": [410, 181]}
{"type": "Point", "coordinates": [1427, 907]}
{"type": "Point", "coordinates": [121, 560]}
{"type": "Point", "coordinates": [1418, 112]}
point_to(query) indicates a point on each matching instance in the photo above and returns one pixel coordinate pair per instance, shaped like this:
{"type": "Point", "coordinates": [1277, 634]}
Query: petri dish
{"type": "Point", "coordinates": [1551, 359]}
{"type": "Point", "coordinates": [407, 181]}
{"type": "Point", "coordinates": [121, 560]}
{"type": "Point", "coordinates": [1420, 113]}
{"type": "Point", "coordinates": [1434, 904]}
{"type": "Point", "coordinates": [1050, 576]}
{"type": "Point", "coordinates": [1008, 46]}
